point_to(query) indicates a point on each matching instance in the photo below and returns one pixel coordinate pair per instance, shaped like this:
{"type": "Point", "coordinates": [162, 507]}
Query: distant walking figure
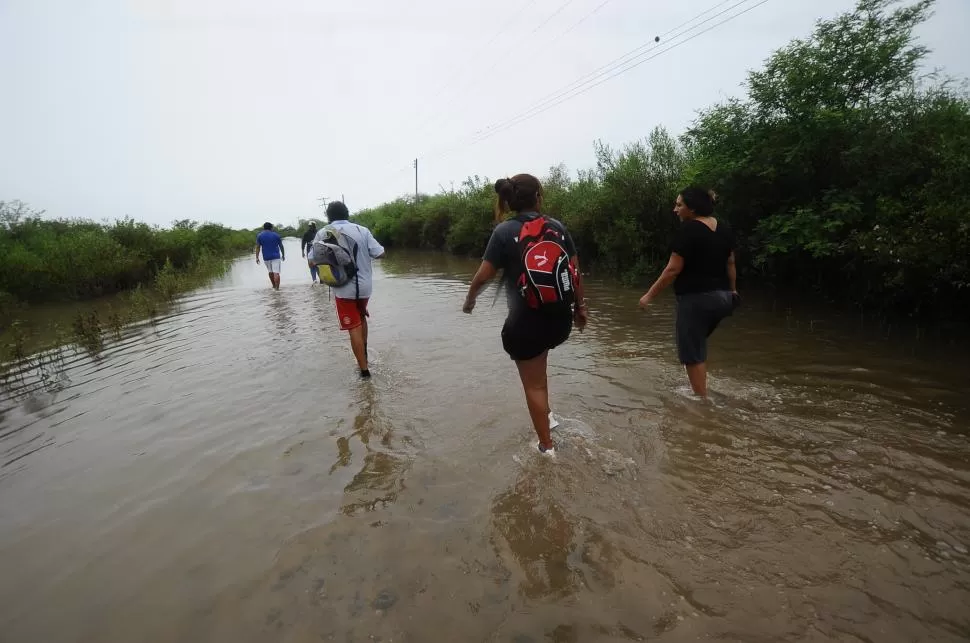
{"type": "Point", "coordinates": [702, 269]}
{"type": "Point", "coordinates": [305, 246]}
{"type": "Point", "coordinates": [545, 293]}
{"type": "Point", "coordinates": [272, 246]}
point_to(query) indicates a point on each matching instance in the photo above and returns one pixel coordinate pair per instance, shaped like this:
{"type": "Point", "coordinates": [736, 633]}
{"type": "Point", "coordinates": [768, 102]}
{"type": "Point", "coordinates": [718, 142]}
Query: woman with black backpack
{"type": "Point", "coordinates": [545, 292]}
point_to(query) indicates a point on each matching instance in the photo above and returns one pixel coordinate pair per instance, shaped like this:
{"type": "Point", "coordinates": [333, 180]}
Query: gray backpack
{"type": "Point", "coordinates": [335, 255]}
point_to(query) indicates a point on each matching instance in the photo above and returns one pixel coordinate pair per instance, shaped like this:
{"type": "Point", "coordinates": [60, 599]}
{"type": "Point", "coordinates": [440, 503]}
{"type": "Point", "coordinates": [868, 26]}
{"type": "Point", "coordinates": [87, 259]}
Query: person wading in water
{"type": "Point", "coordinates": [305, 244]}
{"type": "Point", "coordinates": [545, 292]}
{"type": "Point", "coordinates": [271, 245]}
{"type": "Point", "coordinates": [702, 269]}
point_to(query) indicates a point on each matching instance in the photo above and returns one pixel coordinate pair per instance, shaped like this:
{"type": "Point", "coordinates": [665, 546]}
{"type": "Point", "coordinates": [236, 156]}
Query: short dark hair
{"type": "Point", "coordinates": [519, 193]}
{"type": "Point", "coordinates": [698, 200]}
{"type": "Point", "coordinates": [267, 226]}
{"type": "Point", "coordinates": [337, 211]}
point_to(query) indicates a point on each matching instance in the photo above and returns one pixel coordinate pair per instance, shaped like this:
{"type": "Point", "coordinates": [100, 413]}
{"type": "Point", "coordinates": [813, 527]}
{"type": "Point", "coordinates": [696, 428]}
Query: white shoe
{"type": "Point", "coordinates": [553, 422]}
{"type": "Point", "coordinates": [548, 452]}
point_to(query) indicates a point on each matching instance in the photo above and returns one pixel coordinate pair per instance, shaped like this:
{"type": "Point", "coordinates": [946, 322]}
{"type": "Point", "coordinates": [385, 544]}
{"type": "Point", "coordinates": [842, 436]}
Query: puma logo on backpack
{"type": "Point", "coordinates": [548, 281]}
{"type": "Point", "coordinates": [334, 254]}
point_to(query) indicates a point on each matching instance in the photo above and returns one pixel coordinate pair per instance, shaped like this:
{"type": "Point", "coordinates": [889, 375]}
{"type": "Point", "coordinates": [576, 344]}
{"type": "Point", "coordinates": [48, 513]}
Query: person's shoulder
{"type": "Point", "coordinates": [723, 228]}
{"type": "Point", "coordinates": [691, 227]}
{"type": "Point", "coordinates": [556, 222]}
{"type": "Point", "coordinates": [508, 227]}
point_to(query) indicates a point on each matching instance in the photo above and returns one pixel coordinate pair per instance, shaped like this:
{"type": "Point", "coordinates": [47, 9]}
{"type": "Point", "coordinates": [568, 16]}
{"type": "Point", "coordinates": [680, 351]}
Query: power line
{"type": "Point", "coordinates": [648, 44]}
{"type": "Point", "coordinates": [599, 76]}
{"type": "Point", "coordinates": [633, 54]}
{"type": "Point", "coordinates": [463, 67]}
{"type": "Point", "coordinates": [475, 77]}
{"type": "Point", "coordinates": [581, 20]}
{"type": "Point", "coordinates": [553, 15]}
{"type": "Point", "coordinates": [624, 70]}
{"type": "Point", "coordinates": [638, 51]}
{"type": "Point", "coordinates": [522, 119]}
{"type": "Point", "coordinates": [434, 115]}
{"type": "Point", "coordinates": [630, 55]}
{"type": "Point", "coordinates": [605, 73]}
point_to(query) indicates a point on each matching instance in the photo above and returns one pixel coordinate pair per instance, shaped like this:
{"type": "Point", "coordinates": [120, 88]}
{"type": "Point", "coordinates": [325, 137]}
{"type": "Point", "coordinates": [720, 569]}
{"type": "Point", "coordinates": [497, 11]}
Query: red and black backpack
{"type": "Point", "coordinates": [548, 279]}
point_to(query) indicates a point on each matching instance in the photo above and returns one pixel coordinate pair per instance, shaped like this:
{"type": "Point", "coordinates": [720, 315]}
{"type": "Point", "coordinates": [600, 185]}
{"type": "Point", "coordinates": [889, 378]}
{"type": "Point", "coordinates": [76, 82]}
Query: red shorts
{"type": "Point", "coordinates": [351, 312]}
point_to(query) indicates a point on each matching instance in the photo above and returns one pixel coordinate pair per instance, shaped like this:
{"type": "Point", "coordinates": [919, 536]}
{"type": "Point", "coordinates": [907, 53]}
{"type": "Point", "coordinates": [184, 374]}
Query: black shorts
{"type": "Point", "coordinates": [528, 334]}
{"type": "Point", "coordinates": [698, 314]}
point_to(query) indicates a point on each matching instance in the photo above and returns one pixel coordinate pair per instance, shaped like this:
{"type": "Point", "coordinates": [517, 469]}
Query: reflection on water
{"type": "Point", "coordinates": [223, 475]}
{"type": "Point", "coordinates": [381, 476]}
{"type": "Point", "coordinates": [539, 537]}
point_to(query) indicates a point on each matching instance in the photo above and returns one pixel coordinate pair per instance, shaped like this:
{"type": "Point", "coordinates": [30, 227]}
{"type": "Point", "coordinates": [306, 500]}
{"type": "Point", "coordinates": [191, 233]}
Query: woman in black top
{"type": "Point", "coordinates": [702, 270]}
{"type": "Point", "coordinates": [528, 334]}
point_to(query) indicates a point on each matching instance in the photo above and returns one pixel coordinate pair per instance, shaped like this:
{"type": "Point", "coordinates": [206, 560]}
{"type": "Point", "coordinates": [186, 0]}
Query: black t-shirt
{"type": "Point", "coordinates": [308, 239]}
{"type": "Point", "coordinates": [705, 254]}
{"type": "Point", "coordinates": [503, 252]}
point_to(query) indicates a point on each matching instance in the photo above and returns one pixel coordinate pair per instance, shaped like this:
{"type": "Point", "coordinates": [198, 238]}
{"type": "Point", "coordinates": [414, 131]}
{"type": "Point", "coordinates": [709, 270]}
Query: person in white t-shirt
{"type": "Point", "coordinates": [352, 297]}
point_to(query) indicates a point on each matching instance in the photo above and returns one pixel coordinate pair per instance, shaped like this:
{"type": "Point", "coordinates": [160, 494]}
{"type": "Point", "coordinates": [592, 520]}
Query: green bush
{"type": "Point", "coordinates": [839, 171]}
{"type": "Point", "coordinates": [842, 172]}
{"type": "Point", "coordinates": [42, 259]}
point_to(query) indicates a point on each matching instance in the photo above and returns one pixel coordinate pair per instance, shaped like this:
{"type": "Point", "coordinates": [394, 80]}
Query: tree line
{"type": "Point", "coordinates": [843, 171]}
{"type": "Point", "coordinates": [45, 259]}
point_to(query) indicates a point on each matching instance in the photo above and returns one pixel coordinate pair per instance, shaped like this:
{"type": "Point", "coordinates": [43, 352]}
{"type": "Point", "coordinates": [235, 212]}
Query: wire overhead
{"type": "Point", "coordinates": [463, 67]}
{"type": "Point", "coordinates": [626, 61]}
{"type": "Point", "coordinates": [681, 35]}
{"type": "Point", "coordinates": [443, 113]}
{"type": "Point", "coordinates": [439, 112]}
{"type": "Point", "coordinates": [617, 67]}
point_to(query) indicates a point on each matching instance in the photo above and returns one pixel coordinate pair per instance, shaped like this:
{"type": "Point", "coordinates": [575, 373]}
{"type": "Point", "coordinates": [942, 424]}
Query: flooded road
{"type": "Point", "coordinates": [222, 475]}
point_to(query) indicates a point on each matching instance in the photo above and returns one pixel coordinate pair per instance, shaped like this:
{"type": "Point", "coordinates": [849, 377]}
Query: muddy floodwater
{"type": "Point", "coordinates": [222, 475]}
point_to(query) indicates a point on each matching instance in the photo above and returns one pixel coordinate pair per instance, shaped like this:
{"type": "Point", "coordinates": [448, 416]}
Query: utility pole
{"type": "Point", "coordinates": [323, 203]}
{"type": "Point", "coordinates": [415, 181]}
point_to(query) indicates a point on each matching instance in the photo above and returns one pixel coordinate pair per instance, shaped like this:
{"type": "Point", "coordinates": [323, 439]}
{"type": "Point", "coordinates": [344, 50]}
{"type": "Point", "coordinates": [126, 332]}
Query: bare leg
{"type": "Point", "coordinates": [272, 280]}
{"type": "Point", "coordinates": [697, 374]}
{"type": "Point", "coordinates": [357, 343]}
{"type": "Point", "coordinates": [365, 338]}
{"type": "Point", "coordinates": [533, 375]}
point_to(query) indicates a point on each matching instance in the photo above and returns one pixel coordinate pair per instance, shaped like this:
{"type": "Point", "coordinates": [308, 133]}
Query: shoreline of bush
{"type": "Point", "coordinates": [842, 174]}
{"type": "Point", "coordinates": [65, 260]}
{"type": "Point", "coordinates": [44, 260]}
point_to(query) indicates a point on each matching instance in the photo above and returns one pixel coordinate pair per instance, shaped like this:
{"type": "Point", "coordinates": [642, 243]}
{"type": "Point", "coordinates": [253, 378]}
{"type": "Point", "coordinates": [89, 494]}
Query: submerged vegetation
{"type": "Point", "coordinates": [44, 260]}
{"type": "Point", "coordinates": [843, 172]}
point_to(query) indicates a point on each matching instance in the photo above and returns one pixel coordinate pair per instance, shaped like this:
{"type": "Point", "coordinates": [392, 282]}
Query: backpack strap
{"type": "Point", "coordinates": [356, 268]}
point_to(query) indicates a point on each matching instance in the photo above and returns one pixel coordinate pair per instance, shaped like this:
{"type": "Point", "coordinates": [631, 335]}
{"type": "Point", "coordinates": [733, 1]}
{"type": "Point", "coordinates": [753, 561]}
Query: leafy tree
{"type": "Point", "coordinates": [842, 172]}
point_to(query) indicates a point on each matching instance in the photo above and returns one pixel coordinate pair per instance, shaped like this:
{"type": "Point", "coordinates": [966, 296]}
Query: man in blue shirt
{"type": "Point", "coordinates": [272, 246]}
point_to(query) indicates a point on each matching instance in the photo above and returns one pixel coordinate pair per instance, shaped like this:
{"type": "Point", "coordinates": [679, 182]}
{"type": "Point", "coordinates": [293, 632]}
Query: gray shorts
{"type": "Point", "coordinates": [698, 314]}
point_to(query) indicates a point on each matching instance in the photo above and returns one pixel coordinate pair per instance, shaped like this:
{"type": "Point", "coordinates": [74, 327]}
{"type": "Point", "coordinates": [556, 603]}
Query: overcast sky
{"type": "Point", "coordinates": [239, 111]}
